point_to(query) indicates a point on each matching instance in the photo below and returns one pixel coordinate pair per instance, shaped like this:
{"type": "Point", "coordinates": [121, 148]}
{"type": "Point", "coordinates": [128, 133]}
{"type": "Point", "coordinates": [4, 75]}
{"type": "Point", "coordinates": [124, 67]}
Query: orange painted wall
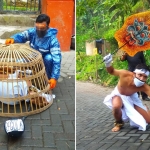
{"type": "Point", "coordinates": [61, 13]}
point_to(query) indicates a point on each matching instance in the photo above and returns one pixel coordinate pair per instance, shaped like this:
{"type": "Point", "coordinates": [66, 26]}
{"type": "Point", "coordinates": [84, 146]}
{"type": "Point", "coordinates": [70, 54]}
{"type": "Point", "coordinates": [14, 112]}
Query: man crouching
{"type": "Point", "coordinates": [124, 100]}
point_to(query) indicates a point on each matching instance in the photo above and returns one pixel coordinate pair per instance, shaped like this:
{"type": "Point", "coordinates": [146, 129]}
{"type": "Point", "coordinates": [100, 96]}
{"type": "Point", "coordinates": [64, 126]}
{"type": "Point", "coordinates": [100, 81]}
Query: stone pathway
{"type": "Point", "coordinates": [94, 122]}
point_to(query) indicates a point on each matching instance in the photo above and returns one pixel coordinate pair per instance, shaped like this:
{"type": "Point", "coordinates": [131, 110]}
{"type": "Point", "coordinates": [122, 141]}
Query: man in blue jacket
{"type": "Point", "coordinates": [43, 39]}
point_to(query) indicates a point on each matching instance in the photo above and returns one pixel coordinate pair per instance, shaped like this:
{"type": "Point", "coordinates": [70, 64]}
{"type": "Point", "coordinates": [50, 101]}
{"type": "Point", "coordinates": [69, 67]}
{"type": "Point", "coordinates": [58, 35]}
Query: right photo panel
{"type": "Point", "coordinates": [112, 75]}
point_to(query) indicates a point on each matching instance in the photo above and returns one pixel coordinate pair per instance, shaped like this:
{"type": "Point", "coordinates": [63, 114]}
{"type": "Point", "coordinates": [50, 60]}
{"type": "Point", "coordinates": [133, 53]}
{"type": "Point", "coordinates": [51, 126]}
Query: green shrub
{"type": "Point", "coordinates": [87, 66]}
{"type": "Point", "coordinates": [91, 68]}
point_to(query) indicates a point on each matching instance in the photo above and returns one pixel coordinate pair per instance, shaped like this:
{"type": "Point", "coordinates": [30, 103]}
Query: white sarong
{"type": "Point", "coordinates": [128, 110]}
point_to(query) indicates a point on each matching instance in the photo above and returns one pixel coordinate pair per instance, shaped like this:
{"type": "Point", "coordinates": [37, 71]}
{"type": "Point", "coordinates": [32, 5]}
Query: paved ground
{"type": "Point", "coordinates": [53, 129]}
{"type": "Point", "coordinates": [94, 122]}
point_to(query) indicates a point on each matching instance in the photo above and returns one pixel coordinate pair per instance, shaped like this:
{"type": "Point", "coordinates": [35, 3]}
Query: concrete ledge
{"type": "Point", "coordinates": [7, 31]}
{"type": "Point", "coordinates": [15, 20]}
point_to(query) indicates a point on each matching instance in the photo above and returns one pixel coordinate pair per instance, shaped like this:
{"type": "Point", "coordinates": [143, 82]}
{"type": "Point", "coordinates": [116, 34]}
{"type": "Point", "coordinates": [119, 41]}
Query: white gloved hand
{"type": "Point", "coordinates": [107, 60]}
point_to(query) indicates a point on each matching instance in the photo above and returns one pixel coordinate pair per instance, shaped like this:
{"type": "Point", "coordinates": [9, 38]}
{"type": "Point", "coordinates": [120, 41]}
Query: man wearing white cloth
{"type": "Point", "coordinates": [124, 100]}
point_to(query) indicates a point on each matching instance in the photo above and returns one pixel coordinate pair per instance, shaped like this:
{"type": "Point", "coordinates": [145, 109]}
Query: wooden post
{"type": "Point", "coordinates": [95, 53]}
{"type": "Point", "coordinates": [96, 74]}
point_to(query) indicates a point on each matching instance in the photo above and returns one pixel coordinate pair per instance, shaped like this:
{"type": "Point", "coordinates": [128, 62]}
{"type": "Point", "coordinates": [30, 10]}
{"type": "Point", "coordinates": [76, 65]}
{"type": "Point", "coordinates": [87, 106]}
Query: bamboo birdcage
{"type": "Point", "coordinates": [23, 81]}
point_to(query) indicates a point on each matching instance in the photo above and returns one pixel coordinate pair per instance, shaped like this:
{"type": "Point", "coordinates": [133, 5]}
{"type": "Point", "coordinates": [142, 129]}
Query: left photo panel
{"type": "Point", "coordinates": [37, 74]}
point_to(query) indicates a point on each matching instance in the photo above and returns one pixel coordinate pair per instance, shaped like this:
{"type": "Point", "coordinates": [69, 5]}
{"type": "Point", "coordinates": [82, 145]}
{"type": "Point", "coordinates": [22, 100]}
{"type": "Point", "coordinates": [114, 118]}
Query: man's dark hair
{"type": "Point", "coordinates": [43, 17]}
{"type": "Point", "coordinates": [142, 66]}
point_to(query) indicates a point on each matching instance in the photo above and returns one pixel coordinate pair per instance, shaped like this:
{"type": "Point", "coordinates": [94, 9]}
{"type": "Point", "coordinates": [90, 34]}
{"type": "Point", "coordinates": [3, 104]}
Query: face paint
{"type": "Point", "coordinates": [138, 82]}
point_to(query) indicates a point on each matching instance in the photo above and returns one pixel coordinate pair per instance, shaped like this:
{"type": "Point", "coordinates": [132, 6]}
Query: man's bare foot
{"type": "Point", "coordinates": [116, 129]}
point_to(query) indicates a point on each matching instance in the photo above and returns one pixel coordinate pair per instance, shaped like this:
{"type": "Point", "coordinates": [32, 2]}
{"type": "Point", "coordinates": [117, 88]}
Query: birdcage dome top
{"type": "Point", "coordinates": [20, 57]}
{"type": "Point", "coordinates": [18, 53]}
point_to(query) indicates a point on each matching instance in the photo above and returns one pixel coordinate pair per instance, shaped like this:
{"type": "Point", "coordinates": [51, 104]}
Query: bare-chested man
{"type": "Point", "coordinates": [124, 101]}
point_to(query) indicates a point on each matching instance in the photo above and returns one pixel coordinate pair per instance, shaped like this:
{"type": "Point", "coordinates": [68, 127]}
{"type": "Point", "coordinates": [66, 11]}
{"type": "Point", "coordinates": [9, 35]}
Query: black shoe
{"type": "Point", "coordinates": [146, 99]}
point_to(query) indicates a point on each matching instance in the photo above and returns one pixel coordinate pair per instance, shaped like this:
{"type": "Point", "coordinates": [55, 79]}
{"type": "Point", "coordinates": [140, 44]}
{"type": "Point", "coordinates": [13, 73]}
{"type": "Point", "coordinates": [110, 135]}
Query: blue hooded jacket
{"type": "Point", "coordinates": [46, 45]}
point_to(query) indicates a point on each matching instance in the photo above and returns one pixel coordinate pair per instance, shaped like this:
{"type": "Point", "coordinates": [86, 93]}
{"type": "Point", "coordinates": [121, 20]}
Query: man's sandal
{"type": "Point", "coordinates": [118, 125]}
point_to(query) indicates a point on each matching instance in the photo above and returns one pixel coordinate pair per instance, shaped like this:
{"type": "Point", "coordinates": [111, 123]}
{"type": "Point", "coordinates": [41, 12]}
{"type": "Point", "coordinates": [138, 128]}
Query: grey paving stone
{"type": "Point", "coordinates": [27, 124]}
{"type": "Point", "coordinates": [71, 145]}
{"type": "Point", "coordinates": [70, 73]}
{"type": "Point", "coordinates": [132, 139]}
{"type": "Point", "coordinates": [65, 136]}
{"type": "Point", "coordinates": [62, 107]}
{"type": "Point", "coordinates": [45, 114]}
{"type": "Point", "coordinates": [73, 123]}
{"type": "Point", "coordinates": [94, 146]}
{"type": "Point", "coordinates": [67, 117]}
{"type": "Point", "coordinates": [144, 136]}
{"type": "Point", "coordinates": [44, 148]}
{"type": "Point", "coordinates": [3, 137]}
{"type": "Point", "coordinates": [123, 137]}
{"type": "Point", "coordinates": [122, 133]}
{"type": "Point", "coordinates": [93, 115]}
{"type": "Point", "coordinates": [20, 148]}
{"type": "Point", "coordinates": [132, 144]}
{"type": "Point", "coordinates": [106, 146]}
{"type": "Point", "coordinates": [68, 126]}
{"type": "Point", "coordinates": [56, 120]}
{"type": "Point", "coordinates": [63, 75]}
{"type": "Point", "coordinates": [133, 134]}
{"type": "Point", "coordinates": [133, 148]}
{"type": "Point", "coordinates": [41, 122]}
{"type": "Point", "coordinates": [60, 79]}
{"type": "Point", "coordinates": [144, 146]}
{"type": "Point", "coordinates": [27, 134]}
{"type": "Point", "coordinates": [36, 132]}
{"type": "Point", "coordinates": [53, 129]}
{"type": "Point", "coordinates": [48, 140]}
{"type": "Point", "coordinates": [25, 148]}
{"type": "Point", "coordinates": [54, 109]}
{"type": "Point", "coordinates": [119, 143]}
{"type": "Point", "coordinates": [32, 142]}
{"type": "Point", "coordinates": [36, 116]}
{"type": "Point", "coordinates": [65, 70]}
{"type": "Point", "coordinates": [110, 136]}
{"type": "Point", "coordinates": [62, 145]}
{"type": "Point", "coordinates": [117, 148]}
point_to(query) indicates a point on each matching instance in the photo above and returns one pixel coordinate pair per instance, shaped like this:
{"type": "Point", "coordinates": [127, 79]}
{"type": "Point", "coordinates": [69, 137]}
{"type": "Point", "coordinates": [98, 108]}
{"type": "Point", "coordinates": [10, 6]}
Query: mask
{"type": "Point", "coordinates": [41, 33]}
{"type": "Point", "coordinates": [138, 82]}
